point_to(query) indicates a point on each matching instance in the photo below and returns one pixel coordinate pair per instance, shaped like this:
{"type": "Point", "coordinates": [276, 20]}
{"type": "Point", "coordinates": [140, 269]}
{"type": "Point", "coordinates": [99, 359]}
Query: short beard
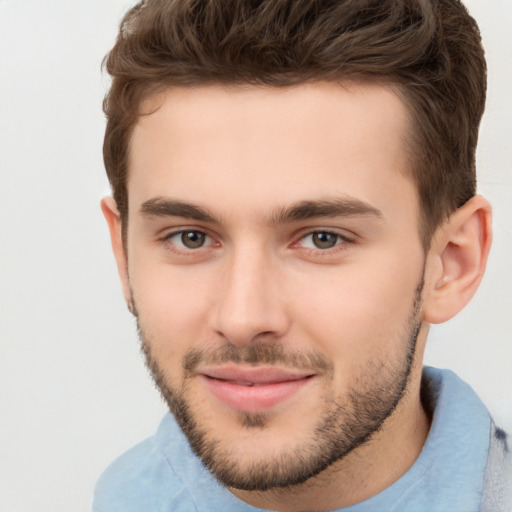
{"type": "Point", "coordinates": [343, 427]}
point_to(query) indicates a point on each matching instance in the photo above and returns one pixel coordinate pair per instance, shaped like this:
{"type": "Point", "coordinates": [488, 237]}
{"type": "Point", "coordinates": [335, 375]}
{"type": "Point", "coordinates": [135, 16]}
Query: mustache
{"type": "Point", "coordinates": [257, 354]}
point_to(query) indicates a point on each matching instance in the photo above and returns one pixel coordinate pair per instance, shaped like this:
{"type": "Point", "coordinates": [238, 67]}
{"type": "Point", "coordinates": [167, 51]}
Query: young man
{"type": "Point", "coordinates": [293, 204]}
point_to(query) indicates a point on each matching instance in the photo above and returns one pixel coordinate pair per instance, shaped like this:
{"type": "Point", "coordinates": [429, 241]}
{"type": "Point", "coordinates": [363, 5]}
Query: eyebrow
{"type": "Point", "coordinates": [166, 207]}
{"type": "Point", "coordinates": [302, 210]}
{"type": "Point", "coordinates": [336, 207]}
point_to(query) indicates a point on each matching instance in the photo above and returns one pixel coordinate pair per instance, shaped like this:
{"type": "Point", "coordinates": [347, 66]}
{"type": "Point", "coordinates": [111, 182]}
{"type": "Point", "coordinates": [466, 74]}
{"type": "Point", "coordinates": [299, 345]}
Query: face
{"type": "Point", "coordinates": [275, 267]}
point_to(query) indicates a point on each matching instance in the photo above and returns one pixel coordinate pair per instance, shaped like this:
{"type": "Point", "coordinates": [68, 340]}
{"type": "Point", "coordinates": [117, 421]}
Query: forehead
{"type": "Point", "coordinates": [252, 148]}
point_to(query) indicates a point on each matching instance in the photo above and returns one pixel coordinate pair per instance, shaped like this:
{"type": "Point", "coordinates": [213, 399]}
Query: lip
{"type": "Point", "coordinates": [253, 389]}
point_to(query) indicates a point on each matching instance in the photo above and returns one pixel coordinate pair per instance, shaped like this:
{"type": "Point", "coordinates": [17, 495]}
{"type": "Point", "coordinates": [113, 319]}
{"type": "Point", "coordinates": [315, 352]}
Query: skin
{"type": "Point", "coordinates": [247, 156]}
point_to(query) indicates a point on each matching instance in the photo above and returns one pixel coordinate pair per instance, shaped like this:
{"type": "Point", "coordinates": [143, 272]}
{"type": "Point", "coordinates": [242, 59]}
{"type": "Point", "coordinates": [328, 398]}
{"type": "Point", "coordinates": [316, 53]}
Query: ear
{"type": "Point", "coordinates": [457, 260]}
{"type": "Point", "coordinates": [113, 218]}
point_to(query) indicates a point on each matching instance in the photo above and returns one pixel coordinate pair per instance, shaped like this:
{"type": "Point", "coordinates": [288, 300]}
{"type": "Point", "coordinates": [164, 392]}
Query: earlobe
{"type": "Point", "coordinates": [457, 258]}
{"type": "Point", "coordinates": [113, 218]}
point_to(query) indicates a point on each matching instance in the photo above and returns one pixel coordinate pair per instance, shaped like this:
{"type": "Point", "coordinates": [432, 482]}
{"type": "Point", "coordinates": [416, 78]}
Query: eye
{"type": "Point", "coordinates": [322, 240]}
{"type": "Point", "coordinates": [189, 239]}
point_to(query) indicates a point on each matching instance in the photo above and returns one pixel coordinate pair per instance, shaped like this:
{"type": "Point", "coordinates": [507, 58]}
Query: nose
{"type": "Point", "coordinates": [250, 303]}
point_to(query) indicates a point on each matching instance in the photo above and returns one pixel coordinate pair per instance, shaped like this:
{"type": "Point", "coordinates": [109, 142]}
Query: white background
{"type": "Point", "coordinates": [74, 392]}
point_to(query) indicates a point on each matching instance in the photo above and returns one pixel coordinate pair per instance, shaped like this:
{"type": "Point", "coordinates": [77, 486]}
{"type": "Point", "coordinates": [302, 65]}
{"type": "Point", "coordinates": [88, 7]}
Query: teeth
{"type": "Point", "coordinates": [248, 384]}
{"type": "Point", "coordinates": [244, 383]}
{"type": "Point", "coordinates": [240, 382]}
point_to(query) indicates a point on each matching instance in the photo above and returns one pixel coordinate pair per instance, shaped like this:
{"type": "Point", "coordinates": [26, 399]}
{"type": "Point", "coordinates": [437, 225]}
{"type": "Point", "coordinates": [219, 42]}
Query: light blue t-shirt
{"type": "Point", "coordinates": [162, 474]}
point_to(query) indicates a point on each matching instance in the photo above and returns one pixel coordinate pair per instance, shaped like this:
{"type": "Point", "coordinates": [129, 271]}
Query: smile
{"type": "Point", "coordinates": [253, 389]}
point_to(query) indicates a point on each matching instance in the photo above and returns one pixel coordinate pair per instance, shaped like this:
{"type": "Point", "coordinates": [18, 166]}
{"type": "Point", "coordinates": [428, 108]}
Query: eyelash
{"type": "Point", "coordinates": [341, 241]}
{"type": "Point", "coordinates": [168, 239]}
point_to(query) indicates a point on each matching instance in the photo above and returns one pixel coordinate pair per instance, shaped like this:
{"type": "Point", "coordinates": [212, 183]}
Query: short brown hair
{"type": "Point", "coordinates": [429, 51]}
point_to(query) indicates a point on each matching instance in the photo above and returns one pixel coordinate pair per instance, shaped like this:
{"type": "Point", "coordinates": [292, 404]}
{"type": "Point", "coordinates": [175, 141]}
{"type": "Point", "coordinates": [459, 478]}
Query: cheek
{"type": "Point", "coordinates": [171, 303]}
{"type": "Point", "coordinates": [360, 312]}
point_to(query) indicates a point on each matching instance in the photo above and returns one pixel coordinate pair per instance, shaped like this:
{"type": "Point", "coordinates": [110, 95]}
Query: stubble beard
{"type": "Point", "coordinates": [342, 428]}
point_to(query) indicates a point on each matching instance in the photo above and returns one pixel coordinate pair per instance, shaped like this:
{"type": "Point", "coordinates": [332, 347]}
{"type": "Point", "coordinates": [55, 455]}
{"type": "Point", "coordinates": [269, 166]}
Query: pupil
{"type": "Point", "coordinates": [324, 240]}
{"type": "Point", "coordinates": [192, 239]}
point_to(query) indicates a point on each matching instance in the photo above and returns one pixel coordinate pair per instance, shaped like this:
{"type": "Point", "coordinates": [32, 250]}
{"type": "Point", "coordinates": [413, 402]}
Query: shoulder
{"type": "Point", "coordinates": [471, 452]}
{"type": "Point", "coordinates": [140, 479]}
{"type": "Point", "coordinates": [162, 474]}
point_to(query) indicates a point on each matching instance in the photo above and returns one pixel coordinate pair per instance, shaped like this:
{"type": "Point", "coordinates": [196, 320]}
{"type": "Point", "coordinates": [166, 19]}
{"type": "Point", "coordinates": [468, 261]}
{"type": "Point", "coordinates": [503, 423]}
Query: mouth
{"type": "Point", "coordinates": [253, 389]}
